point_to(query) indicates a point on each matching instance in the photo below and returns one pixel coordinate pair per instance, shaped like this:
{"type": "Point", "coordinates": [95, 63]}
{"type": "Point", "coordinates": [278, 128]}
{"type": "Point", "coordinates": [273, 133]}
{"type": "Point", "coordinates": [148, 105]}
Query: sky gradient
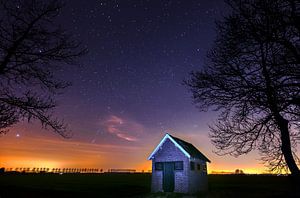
{"type": "Point", "coordinates": [127, 91]}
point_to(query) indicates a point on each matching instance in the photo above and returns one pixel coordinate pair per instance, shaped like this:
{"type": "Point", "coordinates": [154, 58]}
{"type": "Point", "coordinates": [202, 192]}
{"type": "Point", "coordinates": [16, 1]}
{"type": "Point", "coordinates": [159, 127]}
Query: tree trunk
{"type": "Point", "coordinates": [282, 123]}
{"type": "Point", "coordinates": [286, 145]}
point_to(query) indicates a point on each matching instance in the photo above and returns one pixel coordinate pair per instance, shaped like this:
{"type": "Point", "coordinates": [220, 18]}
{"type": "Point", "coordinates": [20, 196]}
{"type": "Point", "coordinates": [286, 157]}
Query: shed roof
{"type": "Point", "coordinates": [187, 148]}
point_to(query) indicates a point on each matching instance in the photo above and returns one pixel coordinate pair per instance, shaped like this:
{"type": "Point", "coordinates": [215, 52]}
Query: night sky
{"type": "Point", "coordinates": [127, 91]}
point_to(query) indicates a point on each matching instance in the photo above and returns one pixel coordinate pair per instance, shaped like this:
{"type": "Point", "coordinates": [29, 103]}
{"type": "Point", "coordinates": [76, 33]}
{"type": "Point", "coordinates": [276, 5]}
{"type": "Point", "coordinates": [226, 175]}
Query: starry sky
{"type": "Point", "coordinates": [127, 91]}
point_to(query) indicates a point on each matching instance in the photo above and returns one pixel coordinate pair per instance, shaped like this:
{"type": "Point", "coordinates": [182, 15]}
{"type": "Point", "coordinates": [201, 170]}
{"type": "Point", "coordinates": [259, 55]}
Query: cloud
{"type": "Point", "coordinates": [125, 129]}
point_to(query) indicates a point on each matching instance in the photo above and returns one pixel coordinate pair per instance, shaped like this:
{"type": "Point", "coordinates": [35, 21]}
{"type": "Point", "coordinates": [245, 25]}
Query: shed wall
{"type": "Point", "coordinates": [170, 153]}
{"type": "Point", "coordinates": [198, 178]}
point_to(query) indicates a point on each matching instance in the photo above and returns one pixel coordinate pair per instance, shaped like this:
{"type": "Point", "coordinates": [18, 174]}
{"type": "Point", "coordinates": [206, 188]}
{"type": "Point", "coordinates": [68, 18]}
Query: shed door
{"type": "Point", "coordinates": [168, 178]}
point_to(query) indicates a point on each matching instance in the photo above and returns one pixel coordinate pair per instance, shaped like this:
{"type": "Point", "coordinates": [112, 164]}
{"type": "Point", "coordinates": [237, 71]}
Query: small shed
{"type": "Point", "coordinates": [178, 166]}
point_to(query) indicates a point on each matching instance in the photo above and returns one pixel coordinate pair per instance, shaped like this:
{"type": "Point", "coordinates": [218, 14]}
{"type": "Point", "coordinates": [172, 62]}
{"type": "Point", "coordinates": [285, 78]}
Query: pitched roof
{"type": "Point", "coordinates": [191, 149]}
{"type": "Point", "coordinates": [187, 148]}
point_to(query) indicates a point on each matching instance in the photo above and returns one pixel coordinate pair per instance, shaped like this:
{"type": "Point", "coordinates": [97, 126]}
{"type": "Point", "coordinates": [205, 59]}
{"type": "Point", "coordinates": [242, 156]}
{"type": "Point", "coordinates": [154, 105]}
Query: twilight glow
{"type": "Point", "coordinates": [127, 91]}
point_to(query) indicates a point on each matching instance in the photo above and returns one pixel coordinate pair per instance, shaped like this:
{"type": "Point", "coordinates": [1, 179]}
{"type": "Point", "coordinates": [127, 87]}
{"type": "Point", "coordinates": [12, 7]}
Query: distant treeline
{"type": "Point", "coordinates": [54, 170]}
{"type": "Point", "coordinates": [67, 170]}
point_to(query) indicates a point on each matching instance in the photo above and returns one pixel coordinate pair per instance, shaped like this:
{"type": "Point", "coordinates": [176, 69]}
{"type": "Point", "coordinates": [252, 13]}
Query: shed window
{"type": "Point", "coordinates": [178, 165]}
{"type": "Point", "coordinates": [198, 167]}
{"type": "Point", "coordinates": [192, 164]}
{"type": "Point", "coordinates": [204, 168]}
{"type": "Point", "coordinates": [158, 165]}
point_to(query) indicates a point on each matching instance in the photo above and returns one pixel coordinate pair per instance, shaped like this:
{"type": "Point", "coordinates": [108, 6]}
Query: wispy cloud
{"type": "Point", "coordinates": [122, 128]}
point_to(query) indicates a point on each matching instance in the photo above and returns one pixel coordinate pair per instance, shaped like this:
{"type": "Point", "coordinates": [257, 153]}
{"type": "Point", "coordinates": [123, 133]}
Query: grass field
{"type": "Point", "coordinates": [136, 185]}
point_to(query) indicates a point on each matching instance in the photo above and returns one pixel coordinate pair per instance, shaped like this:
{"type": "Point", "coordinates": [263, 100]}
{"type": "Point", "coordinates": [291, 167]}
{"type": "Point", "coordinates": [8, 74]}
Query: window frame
{"type": "Point", "coordinates": [198, 167]}
{"type": "Point", "coordinates": [192, 165]}
{"type": "Point", "coordinates": [204, 168]}
{"type": "Point", "coordinates": [158, 166]}
{"type": "Point", "coordinates": [178, 165]}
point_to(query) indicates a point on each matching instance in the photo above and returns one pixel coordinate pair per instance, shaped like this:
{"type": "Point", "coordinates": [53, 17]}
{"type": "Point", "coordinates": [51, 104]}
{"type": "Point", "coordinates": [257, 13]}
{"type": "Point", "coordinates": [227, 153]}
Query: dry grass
{"type": "Point", "coordinates": [137, 185]}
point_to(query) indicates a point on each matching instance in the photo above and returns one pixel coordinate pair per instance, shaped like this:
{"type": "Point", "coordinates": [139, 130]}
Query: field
{"type": "Point", "coordinates": [136, 185]}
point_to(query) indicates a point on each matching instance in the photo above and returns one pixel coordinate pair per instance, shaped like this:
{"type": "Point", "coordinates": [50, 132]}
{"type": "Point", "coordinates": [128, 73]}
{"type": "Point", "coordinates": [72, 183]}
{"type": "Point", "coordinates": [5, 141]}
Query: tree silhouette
{"type": "Point", "coordinates": [32, 47]}
{"type": "Point", "coordinates": [239, 172]}
{"type": "Point", "coordinates": [252, 77]}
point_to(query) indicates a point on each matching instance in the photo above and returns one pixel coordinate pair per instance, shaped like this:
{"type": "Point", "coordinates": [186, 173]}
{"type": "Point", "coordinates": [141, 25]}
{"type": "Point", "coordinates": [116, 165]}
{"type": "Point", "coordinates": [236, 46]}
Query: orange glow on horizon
{"type": "Point", "coordinates": [146, 166]}
{"type": "Point", "coordinates": [224, 168]}
{"type": "Point", "coordinates": [29, 163]}
{"type": "Point", "coordinates": [232, 171]}
{"type": "Point", "coordinates": [29, 150]}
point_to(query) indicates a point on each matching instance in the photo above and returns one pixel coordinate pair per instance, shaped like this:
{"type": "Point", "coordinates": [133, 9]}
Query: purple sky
{"type": "Point", "coordinates": [127, 91]}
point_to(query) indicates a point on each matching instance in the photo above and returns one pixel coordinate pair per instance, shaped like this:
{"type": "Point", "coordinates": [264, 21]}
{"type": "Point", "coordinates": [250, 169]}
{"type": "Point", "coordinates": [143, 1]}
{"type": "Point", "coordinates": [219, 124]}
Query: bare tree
{"type": "Point", "coordinates": [32, 47]}
{"type": "Point", "coordinates": [252, 77]}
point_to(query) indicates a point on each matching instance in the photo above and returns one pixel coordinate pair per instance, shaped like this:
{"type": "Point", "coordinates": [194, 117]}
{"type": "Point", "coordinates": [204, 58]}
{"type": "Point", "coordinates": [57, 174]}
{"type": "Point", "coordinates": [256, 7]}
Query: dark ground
{"type": "Point", "coordinates": [137, 185]}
